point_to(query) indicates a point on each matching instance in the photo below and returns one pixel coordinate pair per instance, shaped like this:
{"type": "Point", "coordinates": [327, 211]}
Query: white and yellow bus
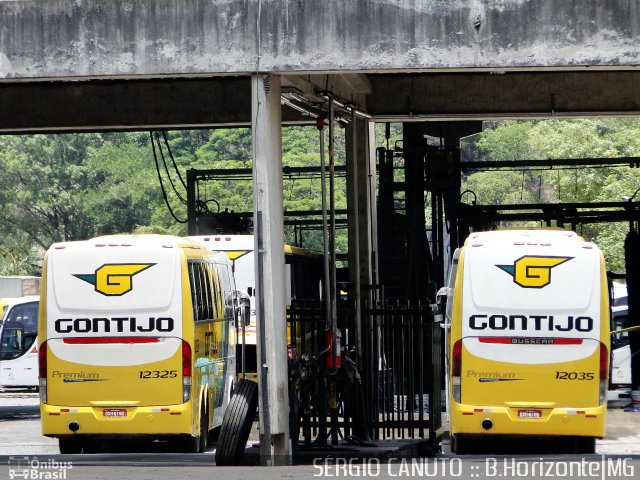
{"type": "Point", "coordinates": [137, 339]}
{"type": "Point", "coordinates": [18, 342]}
{"type": "Point", "coordinates": [303, 282]}
{"type": "Point", "coordinates": [528, 338]}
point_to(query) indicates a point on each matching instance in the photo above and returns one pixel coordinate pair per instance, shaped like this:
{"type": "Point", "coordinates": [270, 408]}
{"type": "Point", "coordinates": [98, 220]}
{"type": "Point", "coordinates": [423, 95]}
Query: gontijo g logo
{"type": "Point", "coordinates": [532, 271]}
{"type": "Point", "coordinates": [114, 279]}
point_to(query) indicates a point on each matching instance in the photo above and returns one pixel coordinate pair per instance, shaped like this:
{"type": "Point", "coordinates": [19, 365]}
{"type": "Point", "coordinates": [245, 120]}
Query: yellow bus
{"type": "Point", "coordinates": [527, 322]}
{"type": "Point", "coordinates": [303, 271]}
{"type": "Point", "coordinates": [137, 339]}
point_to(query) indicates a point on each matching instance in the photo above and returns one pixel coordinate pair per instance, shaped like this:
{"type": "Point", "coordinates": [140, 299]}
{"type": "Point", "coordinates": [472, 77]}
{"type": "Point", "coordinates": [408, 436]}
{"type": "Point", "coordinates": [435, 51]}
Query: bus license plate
{"type": "Point", "coordinates": [529, 413]}
{"type": "Point", "coordinates": [114, 412]}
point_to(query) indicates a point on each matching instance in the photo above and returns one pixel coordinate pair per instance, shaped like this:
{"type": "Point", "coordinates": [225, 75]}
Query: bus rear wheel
{"type": "Point", "coordinates": [70, 446]}
{"type": "Point", "coordinates": [585, 445]}
{"type": "Point", "coordinates": [236, 423]}
{"type": "Point", "coordinates": [186, 444]}
{"type": "Point", "coordinates": [459, 444]}
{"type": "Point", "coordinates": [204, 430]}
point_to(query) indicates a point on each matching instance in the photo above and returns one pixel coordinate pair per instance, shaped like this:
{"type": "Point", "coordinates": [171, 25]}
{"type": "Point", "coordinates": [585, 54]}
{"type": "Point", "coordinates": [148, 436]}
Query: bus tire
{"type": "Point", "coordinates": [459, 444]}
{"type": "Point", "coordinates": [70, 446]}
{"type": "Point", "coordinates": [585, 445]}
{"type": "Point", "coordinates": [186, 444]}
{"type": "Point", "coordinates": [236, 423]}
{"type": "Point", "coordinates": [214, 434]}
{"type": "Point", "coordinates": [204, 430]}
{"type": "Point", "coordinates": [91, 446]}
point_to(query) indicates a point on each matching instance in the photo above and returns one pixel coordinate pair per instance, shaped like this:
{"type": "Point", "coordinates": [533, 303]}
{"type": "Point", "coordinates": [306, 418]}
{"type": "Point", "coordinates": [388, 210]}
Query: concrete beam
{"type": "Point", "coordinates": [97, 38]}
{"type": "Point", "coordinates": [511, 94]}
{"type": "Point", "coordinates": [128, 104]}
{"type": "Point", "coordinates": [225, 101]}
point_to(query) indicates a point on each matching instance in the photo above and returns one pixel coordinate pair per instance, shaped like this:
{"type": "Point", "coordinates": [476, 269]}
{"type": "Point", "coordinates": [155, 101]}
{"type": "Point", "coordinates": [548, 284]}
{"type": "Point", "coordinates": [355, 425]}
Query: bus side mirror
{"type": "Point", "coordinates": [246, 310]}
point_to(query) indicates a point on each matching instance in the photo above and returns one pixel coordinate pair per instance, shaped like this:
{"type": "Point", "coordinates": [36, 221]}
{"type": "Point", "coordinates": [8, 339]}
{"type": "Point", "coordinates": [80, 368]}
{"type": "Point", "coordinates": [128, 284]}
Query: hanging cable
{"type": "Point", "coordinates": [164, 193]}
{"type": "Point", "coordinates": [175, 165]}
{"type": "Point", "coordinates": [166, 169]}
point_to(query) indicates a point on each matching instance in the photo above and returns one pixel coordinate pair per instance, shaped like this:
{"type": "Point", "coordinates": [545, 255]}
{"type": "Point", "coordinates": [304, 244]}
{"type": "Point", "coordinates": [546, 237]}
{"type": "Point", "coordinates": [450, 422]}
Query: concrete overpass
{"type": "Point", "coordinates": [78, 65]}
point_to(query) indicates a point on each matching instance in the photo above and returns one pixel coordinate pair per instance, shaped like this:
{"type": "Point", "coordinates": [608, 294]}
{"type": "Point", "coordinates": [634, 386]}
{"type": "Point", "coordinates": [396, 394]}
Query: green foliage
{"type": "Point", "coordinates": [562, 139]}
{"type": "Point", "coordinates": [75, 186]}
{"type": "Point", "coordinates": [508, 141]}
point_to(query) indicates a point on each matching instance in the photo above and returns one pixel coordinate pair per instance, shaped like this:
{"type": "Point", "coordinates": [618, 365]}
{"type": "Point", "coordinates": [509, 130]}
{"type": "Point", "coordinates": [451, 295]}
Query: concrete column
{"type": "Point", "coordinates": [360, 206]}
{"type": "Point", "coordinates": [359, 210]}
{"type": "Point", "coordinates": [266, 124]}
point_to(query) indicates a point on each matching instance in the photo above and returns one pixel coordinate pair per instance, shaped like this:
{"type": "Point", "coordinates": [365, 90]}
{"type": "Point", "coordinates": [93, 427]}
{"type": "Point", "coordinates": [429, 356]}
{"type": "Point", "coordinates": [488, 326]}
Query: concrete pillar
{"type": "Point", "coordinates": [414, 150]}
{"type": "Point", "coordinates": [266, 125]}
{"type": "Point", "coordinates": [360, 206]}
{"type": "Point", "coordinates": [359, 210]}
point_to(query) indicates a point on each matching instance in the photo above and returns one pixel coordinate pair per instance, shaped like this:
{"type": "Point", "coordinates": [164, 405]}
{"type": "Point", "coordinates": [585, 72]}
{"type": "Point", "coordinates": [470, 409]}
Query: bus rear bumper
{"type": "Point", "coordinates": [470, 419]}
{"type": "Point", "coordinates": [105, 421]}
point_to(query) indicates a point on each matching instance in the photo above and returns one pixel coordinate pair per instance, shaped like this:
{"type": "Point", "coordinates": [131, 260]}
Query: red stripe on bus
{"type": "Point", "coordinates": [510, 340]}
{"type": "Point", "coordinates": [109, 340]}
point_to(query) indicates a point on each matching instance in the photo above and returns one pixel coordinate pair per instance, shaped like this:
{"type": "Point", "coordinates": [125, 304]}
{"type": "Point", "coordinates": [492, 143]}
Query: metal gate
{"type": "Point", "coordinates": [403, 371]}
{"type": "Point", "coordinates": [395, 393]}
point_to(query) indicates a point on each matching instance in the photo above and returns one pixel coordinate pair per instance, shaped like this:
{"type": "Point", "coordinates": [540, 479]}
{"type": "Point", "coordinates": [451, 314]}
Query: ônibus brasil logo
{"type": "Point", "coordinates": [532, 271]}
{"type": "Point", "coordinates": [114, 279]}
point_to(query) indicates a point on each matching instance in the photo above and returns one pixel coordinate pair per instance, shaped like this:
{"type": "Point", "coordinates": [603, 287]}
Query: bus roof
{"type": "Point", "coordinates": [127, 240]}
{"type": "Point", "coordinates": [224, 243]}
{"type": "Point", "coordinates": [524, 235]}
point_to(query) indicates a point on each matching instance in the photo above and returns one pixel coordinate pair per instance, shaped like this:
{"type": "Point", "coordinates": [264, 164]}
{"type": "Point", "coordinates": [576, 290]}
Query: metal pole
{"type": "Point", "coordinates": [333, 401]}
{"type": "Point", "coordinates": [356, 237]}
{"type": "Point", "coordinates": [322, 409]}
{"type": "Point", "coordinates": [332, 233]}
{"type": "Point", "coordinates": [325, 228]}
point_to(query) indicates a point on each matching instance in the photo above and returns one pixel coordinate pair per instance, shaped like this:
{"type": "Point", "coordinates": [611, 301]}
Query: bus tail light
{"type": "Point", "coordinates": [456, 368]}
{"type": "Point", "coordinates": [186, 372]}
{"type": "Point", "coordinates": [604, 373]}
{"type": "Point", "coordinates": [42, 371]}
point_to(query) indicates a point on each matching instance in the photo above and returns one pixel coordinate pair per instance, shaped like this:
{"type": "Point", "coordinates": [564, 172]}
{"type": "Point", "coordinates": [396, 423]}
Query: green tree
{"type": "Point", "coordinates": [558, 139]}
{"type": "Point", "coordinates": [42, 176]}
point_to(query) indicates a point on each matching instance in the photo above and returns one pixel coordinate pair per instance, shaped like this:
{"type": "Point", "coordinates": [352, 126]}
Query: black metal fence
{"type": "Point", "coordinates": [402, 375]}
{"type": "Point", "coordinates": [393, 394]}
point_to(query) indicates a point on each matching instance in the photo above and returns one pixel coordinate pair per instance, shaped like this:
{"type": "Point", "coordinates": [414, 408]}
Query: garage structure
{"type": "Point", "coordinates": [439, 67]}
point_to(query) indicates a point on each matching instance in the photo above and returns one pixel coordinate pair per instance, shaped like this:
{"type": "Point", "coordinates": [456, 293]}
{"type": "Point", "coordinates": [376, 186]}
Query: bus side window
{"type": "Point", "coordinates": [205, 292]}
{"type": "Point", "coordinates": [215, 293]}
{"type": "Point", "coordinates": [209, 290]}
{"type": "Point", "coordinates": [19, 331]}
{"type": "Point", "coordinates": [193, 283]}
{"type": "Point", "coordinates": [12, 341]}
{"type": "Point", "coordinates": [451, 287]}
{"type": "Point", "coordinates": [227, 292]}
{"type": "Point", "coordinates": [215, 281]}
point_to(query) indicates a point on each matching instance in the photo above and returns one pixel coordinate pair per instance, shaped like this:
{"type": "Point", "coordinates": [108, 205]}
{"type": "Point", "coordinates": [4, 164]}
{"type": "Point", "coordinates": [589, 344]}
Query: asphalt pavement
{"type": "Point", "coordinates": [23, 449]}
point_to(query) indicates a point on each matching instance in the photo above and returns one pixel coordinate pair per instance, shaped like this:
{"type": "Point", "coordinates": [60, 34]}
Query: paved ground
{"type": "Point", "coordinates": [20, 429]}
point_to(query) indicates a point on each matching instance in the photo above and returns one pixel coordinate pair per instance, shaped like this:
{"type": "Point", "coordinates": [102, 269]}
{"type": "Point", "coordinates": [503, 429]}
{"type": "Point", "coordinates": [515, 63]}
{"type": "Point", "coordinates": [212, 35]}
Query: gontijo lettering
{"type": "Point", "coordinates": [115, 324]}
{"type": "Point", "coordinates": [525, 323]}
{"type": "Point", "coordinates": [114, 279]}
